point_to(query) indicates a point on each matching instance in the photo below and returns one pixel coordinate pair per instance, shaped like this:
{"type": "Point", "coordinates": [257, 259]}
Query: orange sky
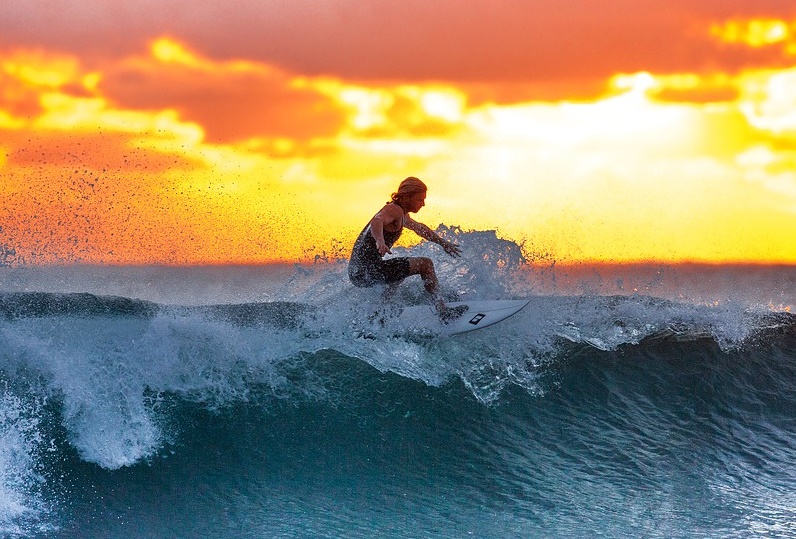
{"type": "Point", "coordinates": [191, 132]}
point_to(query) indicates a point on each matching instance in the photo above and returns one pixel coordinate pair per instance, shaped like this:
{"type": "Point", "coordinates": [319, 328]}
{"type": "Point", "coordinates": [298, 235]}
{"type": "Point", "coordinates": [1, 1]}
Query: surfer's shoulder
{"type": "Point", "coordinates": [390, 213]}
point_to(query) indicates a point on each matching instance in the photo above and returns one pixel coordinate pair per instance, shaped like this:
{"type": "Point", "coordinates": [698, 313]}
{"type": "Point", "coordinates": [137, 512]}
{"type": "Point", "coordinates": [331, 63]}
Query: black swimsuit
{"type": "Point", "coordinates": [366, 266]}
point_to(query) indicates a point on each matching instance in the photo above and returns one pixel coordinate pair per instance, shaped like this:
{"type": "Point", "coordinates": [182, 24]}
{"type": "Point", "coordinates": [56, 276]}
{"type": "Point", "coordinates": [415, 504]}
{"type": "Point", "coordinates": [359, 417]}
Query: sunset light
{"type": "Point", "coordinates": [758, 33]}
{"type": "Point", "coordinates": [175, 148]}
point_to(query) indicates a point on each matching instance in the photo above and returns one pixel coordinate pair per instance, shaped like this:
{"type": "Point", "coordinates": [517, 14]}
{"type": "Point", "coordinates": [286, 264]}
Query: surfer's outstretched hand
{"type": "Point", "coordinates": [452, 249]}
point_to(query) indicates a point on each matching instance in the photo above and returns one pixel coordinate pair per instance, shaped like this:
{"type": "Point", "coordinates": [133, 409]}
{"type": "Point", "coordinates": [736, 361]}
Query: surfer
{"type": "Point", "coordinates": [367, 268]}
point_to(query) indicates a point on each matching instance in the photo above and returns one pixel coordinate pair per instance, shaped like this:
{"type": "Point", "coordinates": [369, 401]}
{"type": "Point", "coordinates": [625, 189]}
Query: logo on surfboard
{"type": "Point", "coordinates": [477, 318]}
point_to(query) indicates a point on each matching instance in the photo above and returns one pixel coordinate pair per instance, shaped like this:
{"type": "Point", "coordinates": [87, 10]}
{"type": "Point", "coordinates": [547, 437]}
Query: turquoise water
{"type": "Point", "coordinates": [180, 408]}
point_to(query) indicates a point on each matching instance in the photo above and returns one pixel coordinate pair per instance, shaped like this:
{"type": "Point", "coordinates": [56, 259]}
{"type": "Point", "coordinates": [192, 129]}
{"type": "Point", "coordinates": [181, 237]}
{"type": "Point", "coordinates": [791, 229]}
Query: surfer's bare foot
{"type": "Point", "coordinates": [449, 314]}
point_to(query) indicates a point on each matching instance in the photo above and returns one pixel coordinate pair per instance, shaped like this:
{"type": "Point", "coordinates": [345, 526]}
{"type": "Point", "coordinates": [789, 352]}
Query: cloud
{"type": "Point", "coordinates": [51, 116]}
{"type": "Point", "coordinates": [156, 111]}
{"type": "Point", "coordinates": [232, 101]}
{"type": "Point", "coordinates": [758, 33]}
{"type": "Point", "coordinates": [473, 41]}
{"type": "Point", "coordinates": [18, 99]}
{"type": "Point", "coordinates": [402, 111]}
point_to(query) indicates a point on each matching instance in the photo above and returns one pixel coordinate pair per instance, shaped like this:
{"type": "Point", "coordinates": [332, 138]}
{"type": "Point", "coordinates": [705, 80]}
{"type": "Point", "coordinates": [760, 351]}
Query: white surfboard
{"type": "Point", "coordinates": [480, 314]}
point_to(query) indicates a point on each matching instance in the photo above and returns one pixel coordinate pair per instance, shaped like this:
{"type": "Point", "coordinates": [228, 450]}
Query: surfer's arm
{"type": "Point", "coordinates": [427, 234]}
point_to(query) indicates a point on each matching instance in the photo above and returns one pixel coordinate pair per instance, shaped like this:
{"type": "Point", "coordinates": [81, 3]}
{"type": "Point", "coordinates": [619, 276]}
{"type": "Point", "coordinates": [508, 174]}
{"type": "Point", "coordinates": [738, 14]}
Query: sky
{"type": "Point", "coordinates": [257, 131]}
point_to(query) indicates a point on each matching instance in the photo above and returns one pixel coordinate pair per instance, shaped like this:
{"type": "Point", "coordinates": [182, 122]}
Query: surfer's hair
{"type": "Point", "coordinates": [410, 186]}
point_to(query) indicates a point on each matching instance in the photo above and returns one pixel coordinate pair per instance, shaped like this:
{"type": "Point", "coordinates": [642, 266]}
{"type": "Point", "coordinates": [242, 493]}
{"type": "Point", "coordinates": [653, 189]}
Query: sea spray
{"type": "Point", "coordinates": [22, 507]}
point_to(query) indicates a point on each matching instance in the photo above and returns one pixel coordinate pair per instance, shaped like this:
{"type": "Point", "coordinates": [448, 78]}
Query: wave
{"type": "Point", "coordinates": [106, 358]}
{"type": "Point", "coordinates": [114, 381]}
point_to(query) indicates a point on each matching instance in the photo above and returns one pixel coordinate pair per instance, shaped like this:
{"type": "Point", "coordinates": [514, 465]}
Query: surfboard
{"type": "Point", "coordinates": [480, 314]}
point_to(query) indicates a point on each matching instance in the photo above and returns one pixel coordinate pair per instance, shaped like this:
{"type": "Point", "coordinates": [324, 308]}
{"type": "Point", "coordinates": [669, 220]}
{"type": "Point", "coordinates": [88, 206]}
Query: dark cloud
{"type": "Point", "coordinates": [446, 40]}
{"type": "Point", "coordinates": [230, 105]}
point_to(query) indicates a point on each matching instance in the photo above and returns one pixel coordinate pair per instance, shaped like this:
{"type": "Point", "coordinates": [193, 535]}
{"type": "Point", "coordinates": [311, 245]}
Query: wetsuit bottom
{"type": "Point", "coordinates": [391, 271]}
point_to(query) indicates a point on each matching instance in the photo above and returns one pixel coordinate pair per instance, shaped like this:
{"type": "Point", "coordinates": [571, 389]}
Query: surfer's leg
{"type": "Point", "coordinates": [425, 268]}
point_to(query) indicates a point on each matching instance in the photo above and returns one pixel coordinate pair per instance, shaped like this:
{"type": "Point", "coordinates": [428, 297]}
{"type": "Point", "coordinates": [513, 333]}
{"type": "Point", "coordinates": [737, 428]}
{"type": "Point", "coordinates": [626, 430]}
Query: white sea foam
{"type": "Point", "coordinates": [21, 506]}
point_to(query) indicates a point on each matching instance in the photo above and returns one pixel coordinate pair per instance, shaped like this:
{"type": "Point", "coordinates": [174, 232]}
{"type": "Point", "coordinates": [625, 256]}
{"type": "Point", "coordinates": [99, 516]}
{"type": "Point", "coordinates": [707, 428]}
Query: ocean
{"type": "Point", "coordinates": [265, 402]}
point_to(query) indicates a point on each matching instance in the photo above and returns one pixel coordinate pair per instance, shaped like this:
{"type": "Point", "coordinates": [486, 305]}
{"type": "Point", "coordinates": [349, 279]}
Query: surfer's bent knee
{"type": "Point", "coordinates": [422, 265]}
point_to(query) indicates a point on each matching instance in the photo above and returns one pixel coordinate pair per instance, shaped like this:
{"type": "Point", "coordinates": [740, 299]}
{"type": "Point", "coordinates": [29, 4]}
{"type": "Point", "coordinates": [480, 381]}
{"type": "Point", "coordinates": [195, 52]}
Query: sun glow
{"type": "Point", "coordinates": [446, 104]}
{"type": "Point", "coordinates": [755, 32]}
{"type": "Point", "coordinates": [170, 51]}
